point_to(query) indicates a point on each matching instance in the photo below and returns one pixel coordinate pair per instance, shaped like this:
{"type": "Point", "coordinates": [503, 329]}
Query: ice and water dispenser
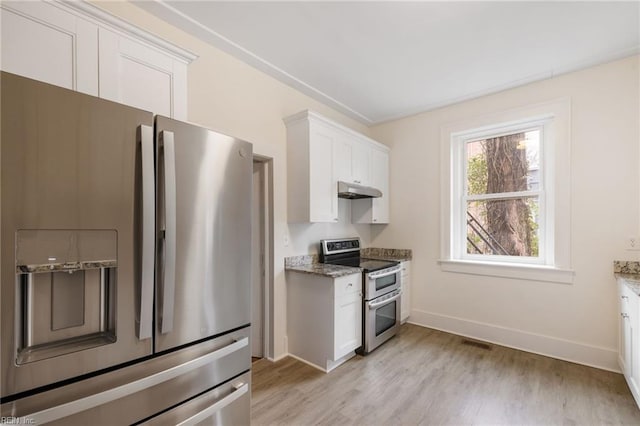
{"type": "Point", "coordinates": [66, 291]}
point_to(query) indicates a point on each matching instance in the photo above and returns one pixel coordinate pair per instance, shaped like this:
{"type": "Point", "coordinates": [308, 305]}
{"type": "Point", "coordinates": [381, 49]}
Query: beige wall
{"type": "Point", "coordinates": [577, 321]}
{"type": "Point", "coordinates": [227, 95]}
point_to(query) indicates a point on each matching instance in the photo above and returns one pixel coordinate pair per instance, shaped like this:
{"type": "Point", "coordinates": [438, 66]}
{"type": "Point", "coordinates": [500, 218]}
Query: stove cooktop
{"type": "Point", "coordinates": [368, 265]}
{"type": "Point", "coordinates": [346, 252]}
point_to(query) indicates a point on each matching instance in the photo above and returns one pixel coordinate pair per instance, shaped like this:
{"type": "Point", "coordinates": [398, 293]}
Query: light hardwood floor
{"type": "Point", "coordinates": [424, 376]}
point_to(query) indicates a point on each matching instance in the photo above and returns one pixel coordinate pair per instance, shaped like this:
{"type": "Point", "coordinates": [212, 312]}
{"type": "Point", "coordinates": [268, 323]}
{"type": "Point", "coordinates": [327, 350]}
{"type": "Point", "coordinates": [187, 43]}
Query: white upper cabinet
{"type": "Point", "coordinates": [80, 47]}
{"type": "Point", "coordinates": [343, 159]}
{"type": "Point", "coordinates": [311, 188]}
{"type": "Point", "coordinates": [46, 43]}
{"type": "Point", "coordinates": [135, 74]}
{"type": "Point", "coordinates": [319, 154]}
{"type": "Point", "coordinates": [361, 162]}
{"type": "Point", "coordinates": [353, 160]}
{"type": "Point", "coordinates": [375, 210]}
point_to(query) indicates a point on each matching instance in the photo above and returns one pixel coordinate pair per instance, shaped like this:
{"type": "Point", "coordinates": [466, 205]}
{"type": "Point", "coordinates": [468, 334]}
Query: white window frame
{"type": "Point", "coordinates": [460, 142]}
{"type": "Point", "coordinates": [553, 262]}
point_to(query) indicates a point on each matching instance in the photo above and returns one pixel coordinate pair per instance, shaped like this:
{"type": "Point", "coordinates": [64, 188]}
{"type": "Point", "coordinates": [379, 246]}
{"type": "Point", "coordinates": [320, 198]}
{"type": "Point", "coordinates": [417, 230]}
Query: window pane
{"type": "Point", "coordinates": [503, 227]}
{"type": "Point", "coordinates": [508, 163]}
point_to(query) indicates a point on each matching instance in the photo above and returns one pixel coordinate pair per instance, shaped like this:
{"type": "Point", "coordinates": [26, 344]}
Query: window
{"type": "Point", "coordinates": [502, 190]}
{"type": "Point", "coordinates": [506, 194]}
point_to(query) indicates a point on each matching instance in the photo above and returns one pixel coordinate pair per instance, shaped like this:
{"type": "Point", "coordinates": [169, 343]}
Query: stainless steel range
{"type": "Point", "coordinates": [381, 282]}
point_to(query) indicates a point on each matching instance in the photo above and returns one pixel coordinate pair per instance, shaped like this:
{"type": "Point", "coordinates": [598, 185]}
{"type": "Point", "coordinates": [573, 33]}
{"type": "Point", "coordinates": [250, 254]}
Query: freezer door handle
{"type": "Point", "coordinates": [110, 395]}
{"type": "Point", "coordinates": [145, 321]}
{"type": "Point", "coordinates": [169, 266]}
{"type": "Point", "coordinates": [238, 391]}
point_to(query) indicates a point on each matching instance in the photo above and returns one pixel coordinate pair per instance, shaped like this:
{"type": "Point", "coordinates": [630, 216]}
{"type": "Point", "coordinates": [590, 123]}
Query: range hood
{"type": "Point", "coordinates": [354, 191]}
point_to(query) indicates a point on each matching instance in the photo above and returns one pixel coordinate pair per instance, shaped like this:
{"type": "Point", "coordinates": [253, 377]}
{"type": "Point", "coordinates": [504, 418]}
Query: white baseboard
{"type": "Point", "coordinates": [566, 350]}
{"type": "Point", "coordinates": [278, 358]}
{"type": "Point", "coordinates": [317, 367]}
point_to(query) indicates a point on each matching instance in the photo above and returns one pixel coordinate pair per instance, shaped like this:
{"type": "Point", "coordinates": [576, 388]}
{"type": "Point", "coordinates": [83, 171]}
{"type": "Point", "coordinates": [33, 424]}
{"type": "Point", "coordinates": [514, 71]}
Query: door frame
{"type": "Point", "coordinates": [266, 166]}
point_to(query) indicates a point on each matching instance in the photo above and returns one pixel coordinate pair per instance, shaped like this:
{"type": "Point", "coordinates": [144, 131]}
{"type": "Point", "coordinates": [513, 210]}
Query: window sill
{"type": "Point", "coordinates": [507, 270]}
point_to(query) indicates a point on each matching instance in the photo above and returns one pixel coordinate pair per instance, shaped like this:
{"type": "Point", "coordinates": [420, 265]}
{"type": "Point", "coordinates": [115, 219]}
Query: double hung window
{"type": "Point", "coordinates": [506, 194]}
{"type": "Point", "coordinates": [502, 213]}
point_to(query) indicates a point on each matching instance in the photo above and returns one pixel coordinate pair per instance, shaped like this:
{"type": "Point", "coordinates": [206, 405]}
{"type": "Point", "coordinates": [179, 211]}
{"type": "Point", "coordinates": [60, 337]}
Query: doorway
{"type": "Point", "coordinates": [261, 258]}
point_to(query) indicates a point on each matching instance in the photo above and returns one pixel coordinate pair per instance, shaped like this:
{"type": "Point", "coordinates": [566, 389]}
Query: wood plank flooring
{"type": "Point", "coordinates": [427, 377]}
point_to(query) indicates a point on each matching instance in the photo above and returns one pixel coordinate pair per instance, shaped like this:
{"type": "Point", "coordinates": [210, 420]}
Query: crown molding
{"type": "Point", "coordinates": [197, 29]}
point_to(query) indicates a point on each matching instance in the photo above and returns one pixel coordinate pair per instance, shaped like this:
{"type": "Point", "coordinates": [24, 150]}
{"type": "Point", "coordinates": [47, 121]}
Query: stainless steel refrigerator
{"type": "Point", "coordinates": [125, 244]}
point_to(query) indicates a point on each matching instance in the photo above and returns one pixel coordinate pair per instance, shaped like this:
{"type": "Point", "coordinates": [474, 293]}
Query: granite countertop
{"type": "Point", "coordinates": [629, 273]}
{"type": "Point", "coordinates": [310, 264]}
{"type": "Point", "coordinates": [332, 271]}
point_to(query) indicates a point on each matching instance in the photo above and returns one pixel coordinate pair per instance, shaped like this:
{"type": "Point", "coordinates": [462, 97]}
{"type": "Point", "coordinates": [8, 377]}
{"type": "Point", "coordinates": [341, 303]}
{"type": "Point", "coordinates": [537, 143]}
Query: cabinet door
{"type": "Point", "coordinates": [633, 343]}
{"type": "Point", "coordinates": [361, 162]}
{"type": "Point", "coordinates": [348, 325]}
{"type": "Point", "coordinates": [353, 160]}
{"type": "Point", "coordinates": [343, 159]}
{"type": "Point", "coordinates": [138, 75]}
{"type": "Point", "coordinates": [323, 189]}
{"type": "Point", "coordinates": [380, 180]}
{"type": "Point", "coordinates": [405, 305]}
{"type": "Point", "coordinates": [374, 210]}
{"type": "Point", "coordinates": [42, 42]}
{"type": "Point", "coordinates": [623, 337]}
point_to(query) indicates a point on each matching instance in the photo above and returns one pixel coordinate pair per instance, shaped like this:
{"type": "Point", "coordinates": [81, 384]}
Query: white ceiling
{"type": "Point", "coordinates": [377, 61]}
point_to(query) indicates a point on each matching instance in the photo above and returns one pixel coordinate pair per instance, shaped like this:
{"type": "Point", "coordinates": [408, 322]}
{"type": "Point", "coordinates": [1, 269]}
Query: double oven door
{"type": "Point", "coordinates": [381, 319]}
{"type": "Point", "coordinates": [381, 313]}
{"type": "Point", "coordinates": [379, 283]}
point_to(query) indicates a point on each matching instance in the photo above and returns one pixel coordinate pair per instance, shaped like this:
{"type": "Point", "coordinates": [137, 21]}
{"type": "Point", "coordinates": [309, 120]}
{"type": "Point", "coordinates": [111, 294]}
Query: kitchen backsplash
{"type": "Point", "coordinates": [305, 259]}
{"type": "Point", "coordinates": [386, 253]}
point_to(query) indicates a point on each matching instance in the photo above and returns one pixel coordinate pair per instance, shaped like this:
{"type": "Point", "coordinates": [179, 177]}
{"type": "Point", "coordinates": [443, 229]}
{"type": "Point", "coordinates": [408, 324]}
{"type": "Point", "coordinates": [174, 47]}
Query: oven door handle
{"type": "Point", "coordinates": [384, 302]}
{"type": "Point", "coordinates": [376, 275]}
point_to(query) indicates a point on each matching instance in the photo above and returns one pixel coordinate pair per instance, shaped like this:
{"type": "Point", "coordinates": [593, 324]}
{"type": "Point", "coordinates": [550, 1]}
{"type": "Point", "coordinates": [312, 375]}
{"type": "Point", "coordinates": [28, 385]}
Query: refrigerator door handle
{"type": "Point", "coordinates": [169, 267]}
{"type": "Point", "coordinates": [86, 403]}
{"type": "Point", "coordinates": [145, 138]}
{"type": "Point", "coordinates": [238, 391]}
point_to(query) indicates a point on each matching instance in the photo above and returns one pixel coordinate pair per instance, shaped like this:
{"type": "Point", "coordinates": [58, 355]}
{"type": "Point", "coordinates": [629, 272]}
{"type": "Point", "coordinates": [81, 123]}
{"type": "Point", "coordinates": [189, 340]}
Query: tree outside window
{"type": "Point", "coordinates": [502, 194]}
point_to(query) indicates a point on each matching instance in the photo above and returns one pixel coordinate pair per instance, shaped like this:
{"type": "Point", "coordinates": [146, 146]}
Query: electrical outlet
{"type": "Point", "coordinates": [633, 243]}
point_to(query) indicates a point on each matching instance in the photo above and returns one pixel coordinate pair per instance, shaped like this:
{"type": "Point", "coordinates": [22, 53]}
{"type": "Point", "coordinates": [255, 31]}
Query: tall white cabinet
{"type": "Point", "coordinates": [80, 47]}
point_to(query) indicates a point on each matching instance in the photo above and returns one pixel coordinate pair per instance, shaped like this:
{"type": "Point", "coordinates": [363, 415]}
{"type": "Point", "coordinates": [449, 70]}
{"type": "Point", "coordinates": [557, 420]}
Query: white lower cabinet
{"type": "Point", "coordinates": [629, 349]}
{"type": "Point", "coordinates": [405, 304]}
{"type": "Point", "coordinates": [324, 318]}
